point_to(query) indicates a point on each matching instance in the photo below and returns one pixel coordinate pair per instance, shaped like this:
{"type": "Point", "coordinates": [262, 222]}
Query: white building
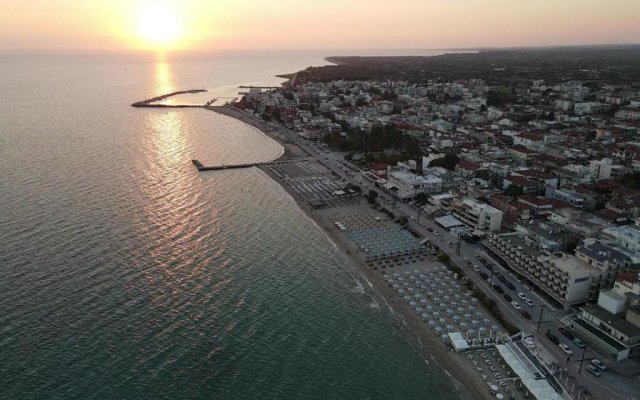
{"type": "Point", "coordinates": [600, 169]}
{"type": "Point", "coordinates": [477, 215]}
{"type": "Point", "coordinates": [627, 239]}
{"type": "Point", "coordinates": [405, 185]}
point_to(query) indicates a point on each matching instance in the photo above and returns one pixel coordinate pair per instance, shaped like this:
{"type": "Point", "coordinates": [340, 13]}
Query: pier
{"type": "Point", "coordinates": [149, 102]}
{"type": "Point", "coordinates": [221, 167]}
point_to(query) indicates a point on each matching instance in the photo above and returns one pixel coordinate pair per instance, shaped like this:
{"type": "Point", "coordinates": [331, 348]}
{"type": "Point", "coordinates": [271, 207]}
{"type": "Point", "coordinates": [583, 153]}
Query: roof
{"type": "Point", "coordinates": [617, 323]}
{"type": "Point", "coordinates": [531, 136]}
{"type": "Point", "coordinates": [609, 214]}
{"type": "Point", "coordinates": [626, 203]}
{"type": "Point", "coordinates": [468, 165]}
{"type": "Point", "coordinates": [379, 166]}
{"type": "Point", "coordinates": [533, 200]}
{"type": "Point", "coordinates": [533, 173]}
{"type": "Point", "coordinates": [520, 181]}
{"type": "Point", "coordinates": [628, 276]}
{"type": "Point", "coordinates": [448, 221]}
{"type": "Point", "coordinates": [602, 253]}
{"type": "Point", "coordinates": [522, 149]}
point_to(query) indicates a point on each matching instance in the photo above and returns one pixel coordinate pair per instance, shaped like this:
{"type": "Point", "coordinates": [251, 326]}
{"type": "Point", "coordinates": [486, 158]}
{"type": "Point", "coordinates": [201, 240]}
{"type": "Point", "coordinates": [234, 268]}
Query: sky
{"type": "Point", "coordinates": [108, 25]}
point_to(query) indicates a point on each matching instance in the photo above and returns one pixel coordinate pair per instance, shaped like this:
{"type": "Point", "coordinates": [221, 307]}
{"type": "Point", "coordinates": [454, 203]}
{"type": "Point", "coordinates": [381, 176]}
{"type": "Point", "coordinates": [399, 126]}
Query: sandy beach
{"type": "Point", "coordinates": [466, 379]}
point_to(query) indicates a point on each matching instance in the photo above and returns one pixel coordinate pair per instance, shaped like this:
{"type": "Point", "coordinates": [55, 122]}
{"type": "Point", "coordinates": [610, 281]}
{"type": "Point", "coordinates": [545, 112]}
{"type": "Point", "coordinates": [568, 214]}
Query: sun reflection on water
{"type": "Point", "coordinates": [171, 201]}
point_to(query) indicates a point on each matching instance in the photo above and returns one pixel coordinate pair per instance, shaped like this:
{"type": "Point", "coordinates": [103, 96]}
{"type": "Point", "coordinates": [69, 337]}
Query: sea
{"type": "Point", "coordinates": [126, 274]}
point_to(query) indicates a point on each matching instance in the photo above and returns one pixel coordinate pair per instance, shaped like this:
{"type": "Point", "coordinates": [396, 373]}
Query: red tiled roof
{"type": "Point", "coordinates": [522, 149]}
{"type": "Point", "coordinates": [379, 166]}
{"type": "Point", "coordinates": [531, 135]}
{"type": "Point", "coordinates": [535, 174]}
{"type": "Point", "coordinates": [608, 214]}
{"type": "Point", "coordinates": [520, 181]}
{"type": "Point", "coordinates": [537, 201]}
{"type": "Point", "coordinates": [468, 165]}
{"type": "Point", "coordinates": [628, 276]}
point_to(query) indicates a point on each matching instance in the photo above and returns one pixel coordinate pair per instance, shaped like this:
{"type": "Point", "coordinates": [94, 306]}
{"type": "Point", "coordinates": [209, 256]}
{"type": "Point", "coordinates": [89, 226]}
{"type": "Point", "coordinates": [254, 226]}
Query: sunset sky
{"type": "Point", "coordinates": [299, 24]}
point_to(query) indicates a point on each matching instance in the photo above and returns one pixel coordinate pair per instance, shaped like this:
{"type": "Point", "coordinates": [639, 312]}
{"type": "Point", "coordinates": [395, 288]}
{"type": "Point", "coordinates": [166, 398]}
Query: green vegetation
{"type": "Point", "coordinates": [513, 191]}
{"type": "Point", "coordinates": [372, 196]}
{"type": "Point", "coordinates": [381, 138]}
{"type": "Point", "coordinates": [421, 198]}
{"type": "Point", "coordinates": [403, 220]}
{"type": "Point", "coordinates": [449, 161]}
{"type": "Point", "coordinates": [631, 180]}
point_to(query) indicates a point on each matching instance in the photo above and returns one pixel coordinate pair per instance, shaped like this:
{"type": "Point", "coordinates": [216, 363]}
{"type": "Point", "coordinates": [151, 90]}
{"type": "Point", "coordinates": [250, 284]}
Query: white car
{"type": "Point", "coordinates": [593, 370]}
{"type": "Point", "coordinates": [516, 305]}
{"type": "Point", "coordinates": [413, 217]}
{"type": "Point", "coordinates": [598, 364]}
{"type": "Point", "coordinates": [476, 268]}
{"type": "Point", "coordinates": [436, 233]}
{"type": "Point", "coordinates": [522, 296]}
{"type": "Point", "coordinates": [528, 302]}
{"type": "Point", "coordinates": [566, 349]}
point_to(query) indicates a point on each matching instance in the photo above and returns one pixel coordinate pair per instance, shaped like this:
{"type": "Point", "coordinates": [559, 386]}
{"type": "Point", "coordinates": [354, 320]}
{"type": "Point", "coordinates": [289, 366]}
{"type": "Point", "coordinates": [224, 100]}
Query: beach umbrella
{"type": "Point", "coordinates": [425, 316]}
{"type": "Point", "coordinates": [494, 387]}
{"type": "Point", "coordinates": [431, 323]}
{"type": "Point", "coordinates": [474, 322]}
{"type": "Point", "coordinates": [438, 329]}
{"type": "Point", "coordinates": [499, 396]}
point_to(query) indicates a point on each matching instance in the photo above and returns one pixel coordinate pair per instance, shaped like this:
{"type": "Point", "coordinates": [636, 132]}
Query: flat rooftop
{"type": "Point", "coordinates": [617, 323]}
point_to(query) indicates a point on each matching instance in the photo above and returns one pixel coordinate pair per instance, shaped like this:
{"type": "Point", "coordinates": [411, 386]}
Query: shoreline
{"type": "Point", "coordinates": [468, 385]}
{"type": "Point", "coordinates": [466, 381]}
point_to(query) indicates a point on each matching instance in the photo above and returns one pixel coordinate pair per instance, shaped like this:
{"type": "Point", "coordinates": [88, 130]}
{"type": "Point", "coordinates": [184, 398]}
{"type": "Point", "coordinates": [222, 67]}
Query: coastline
{"type": "Point", "coordinates": [468, 384]}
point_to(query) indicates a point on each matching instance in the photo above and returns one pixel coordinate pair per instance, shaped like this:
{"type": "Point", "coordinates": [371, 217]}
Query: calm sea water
{"type": "Point", "coordinates": [125, 274]}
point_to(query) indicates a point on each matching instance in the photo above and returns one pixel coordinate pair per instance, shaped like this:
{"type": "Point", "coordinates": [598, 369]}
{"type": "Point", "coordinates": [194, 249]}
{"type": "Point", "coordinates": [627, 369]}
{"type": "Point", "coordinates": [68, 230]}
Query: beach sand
{"type": "Point", "coordinates": [465, 378]}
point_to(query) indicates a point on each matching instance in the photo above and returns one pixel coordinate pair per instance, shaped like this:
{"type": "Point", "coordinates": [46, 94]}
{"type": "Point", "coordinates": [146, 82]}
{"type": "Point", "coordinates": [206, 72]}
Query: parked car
{"type": "Point", "coordinates": [522, 296]}
{"type": "Point", "coordinates": [507, 297]}
{"type": "Point", "coordinates": [594, 370]}
{"type": "Point", "coordinates": [566, 333]}
{"type": "Point", "coordinates": [554, 339]}
{"type": "Point", "coordinates": [476, 268]}
{"type": "Point", "coordinates": [579, 343]}
{"type": "Point", "coordinates": [516, 305]}
{"type": "Point", "coordinates": [528, 302]}
{"type": "Point", "coordinates": [498, 288]}
{"type": "Point", "coordinates": [599, 364]}
{"type": "Point", "coordinates": [525, 314]}
{"type": "Point", "coordinates": [510, 285]}
{"type": "Point", "coordinates": [566, 349]}
{"type": "Point", "coordinates": [484, 275]}
{"type": "Point", "coordinates": [501, 277]}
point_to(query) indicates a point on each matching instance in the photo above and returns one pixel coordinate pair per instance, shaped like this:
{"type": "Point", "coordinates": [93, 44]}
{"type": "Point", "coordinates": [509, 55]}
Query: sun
{"type": "Point", "coordinates": [159, 25]}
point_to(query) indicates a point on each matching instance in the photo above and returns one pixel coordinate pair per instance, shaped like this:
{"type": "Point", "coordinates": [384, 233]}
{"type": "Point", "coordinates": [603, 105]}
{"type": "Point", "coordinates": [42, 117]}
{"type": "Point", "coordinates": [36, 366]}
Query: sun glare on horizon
{"type": "Point", "coordinates": [159, 25]}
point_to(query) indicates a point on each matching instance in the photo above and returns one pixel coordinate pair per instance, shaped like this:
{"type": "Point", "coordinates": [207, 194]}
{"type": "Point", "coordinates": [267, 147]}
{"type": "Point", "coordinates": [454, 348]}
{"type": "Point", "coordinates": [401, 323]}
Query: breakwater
{"type": "Point", "coordinates": [150, 102]}
{"type": "Point", "coordinates": [202, 167]}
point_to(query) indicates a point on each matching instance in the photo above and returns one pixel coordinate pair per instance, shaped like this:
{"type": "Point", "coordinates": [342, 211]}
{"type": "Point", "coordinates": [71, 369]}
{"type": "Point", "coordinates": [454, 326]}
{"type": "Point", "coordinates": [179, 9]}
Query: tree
{"type": "Point", "coordinates": [372, 196]}
{"type": "Point", "coordinates": [449, 161]}
{"type": "Point", "coordinates": [421, 198]}
{"type": "Point", "coordinates": [513, 191]}
{"type": "Point", "coordinates": [403, 220]}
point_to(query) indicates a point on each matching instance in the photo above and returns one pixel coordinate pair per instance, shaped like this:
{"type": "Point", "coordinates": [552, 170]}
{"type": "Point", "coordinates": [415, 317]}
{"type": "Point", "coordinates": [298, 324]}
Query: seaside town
{"type": "Point", "coordinates": [502, 215]}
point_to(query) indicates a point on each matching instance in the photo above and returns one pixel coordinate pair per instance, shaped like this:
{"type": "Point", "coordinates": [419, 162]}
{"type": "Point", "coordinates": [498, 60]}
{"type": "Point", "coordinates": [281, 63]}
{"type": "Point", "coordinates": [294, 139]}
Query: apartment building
{"type": "Point", "coordinates": [477, 215]}
{"type": "Point", "coordinates": [566, 279]}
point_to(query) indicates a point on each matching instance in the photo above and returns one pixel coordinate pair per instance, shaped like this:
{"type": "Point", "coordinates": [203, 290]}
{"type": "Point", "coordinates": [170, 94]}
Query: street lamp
{"type": "Point", "coordinates": [584, 350]}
